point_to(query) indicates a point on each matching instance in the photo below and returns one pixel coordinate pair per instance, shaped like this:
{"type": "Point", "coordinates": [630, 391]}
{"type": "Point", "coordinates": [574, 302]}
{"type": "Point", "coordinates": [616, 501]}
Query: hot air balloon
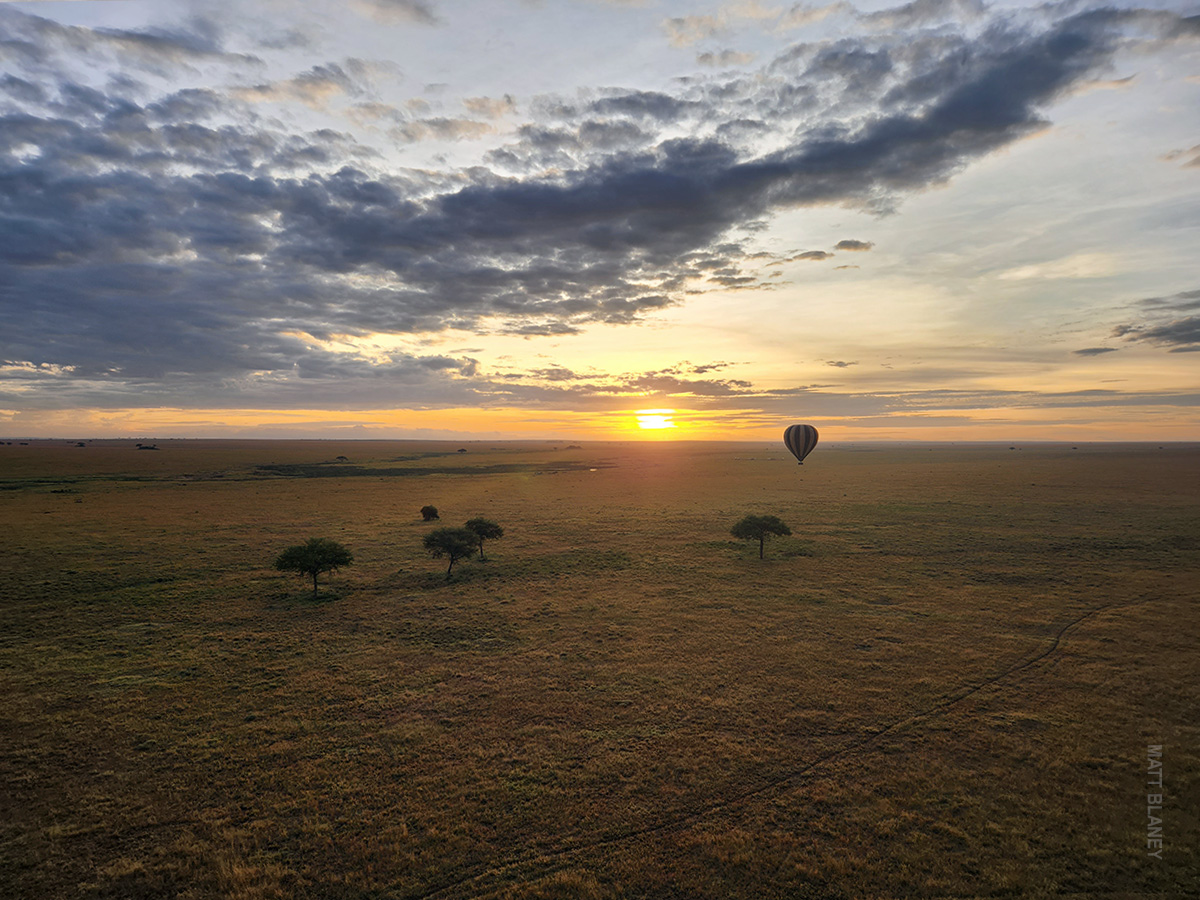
{"type": "Point", "coordinates": [800, 439]}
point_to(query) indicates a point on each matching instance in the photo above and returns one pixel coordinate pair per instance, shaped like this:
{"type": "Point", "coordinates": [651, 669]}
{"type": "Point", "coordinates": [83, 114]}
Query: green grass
{"type": "Point", "coordinates": [942, 685]}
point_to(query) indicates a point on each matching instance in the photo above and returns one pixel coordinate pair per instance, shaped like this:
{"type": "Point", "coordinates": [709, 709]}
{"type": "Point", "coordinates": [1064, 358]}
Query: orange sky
{"type": "Point", "coordinates": [1095, 424]}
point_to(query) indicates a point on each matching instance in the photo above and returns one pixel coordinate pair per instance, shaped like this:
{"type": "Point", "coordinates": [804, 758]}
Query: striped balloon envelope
{"type": "Point", "coordinates": [800, 439]}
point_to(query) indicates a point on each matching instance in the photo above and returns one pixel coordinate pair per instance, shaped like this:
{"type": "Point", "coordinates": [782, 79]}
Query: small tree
{"type": "Point", "coordinates": [456, 543]}
{"type": "Point", "coordinates": [429, 513]}
{"type": "Point", "coordinates": [484, 529]}
{"type": "Point", "coordinates": [314, 557]}
{"type": "Point", "coordinates": [756, 528]}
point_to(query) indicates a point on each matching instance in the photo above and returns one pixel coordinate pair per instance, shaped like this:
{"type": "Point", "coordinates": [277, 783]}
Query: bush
{"type": "Point", "coordinates": [429, 513]}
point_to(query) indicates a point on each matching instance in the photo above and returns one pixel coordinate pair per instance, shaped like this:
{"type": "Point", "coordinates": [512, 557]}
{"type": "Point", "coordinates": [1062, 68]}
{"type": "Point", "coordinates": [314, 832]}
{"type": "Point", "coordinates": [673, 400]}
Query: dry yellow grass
{"type": "Point", "coordinates": [943, 685]}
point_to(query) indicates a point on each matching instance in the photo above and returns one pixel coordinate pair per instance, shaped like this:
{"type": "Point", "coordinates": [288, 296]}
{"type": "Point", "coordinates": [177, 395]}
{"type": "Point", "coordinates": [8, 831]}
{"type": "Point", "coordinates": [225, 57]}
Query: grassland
{"type": "Point", "coordinates": [943, 685]}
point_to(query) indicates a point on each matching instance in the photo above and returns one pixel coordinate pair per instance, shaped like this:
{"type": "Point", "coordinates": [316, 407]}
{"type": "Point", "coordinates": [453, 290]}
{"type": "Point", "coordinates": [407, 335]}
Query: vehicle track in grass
{"type": "Point", "coordinates": [540, 864]}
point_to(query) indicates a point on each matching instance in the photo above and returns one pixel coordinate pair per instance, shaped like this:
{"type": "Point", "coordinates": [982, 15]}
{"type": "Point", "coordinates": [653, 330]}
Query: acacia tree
{"type": "Point", "coordinates": [484, 529]}
{"type": "Point", "coordinates": [756, 528]}
{"type": "Point", "coordinates": [456, 543]}
{"type": "Point", "coordinates": [315, 556]}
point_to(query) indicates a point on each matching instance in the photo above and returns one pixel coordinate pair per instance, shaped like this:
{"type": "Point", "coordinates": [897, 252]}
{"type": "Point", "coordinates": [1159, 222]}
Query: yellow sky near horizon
{"type": "Point", "coordinates": [993, 424]}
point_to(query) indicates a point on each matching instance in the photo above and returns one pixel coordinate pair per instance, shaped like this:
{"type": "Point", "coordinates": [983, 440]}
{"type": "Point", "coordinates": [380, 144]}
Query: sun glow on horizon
{"type": "Point", "coordinates": [655, 419]}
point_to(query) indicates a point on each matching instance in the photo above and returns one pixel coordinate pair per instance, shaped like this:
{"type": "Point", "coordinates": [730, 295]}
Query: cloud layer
{"type": "Point", "coordinates": [176, 244]}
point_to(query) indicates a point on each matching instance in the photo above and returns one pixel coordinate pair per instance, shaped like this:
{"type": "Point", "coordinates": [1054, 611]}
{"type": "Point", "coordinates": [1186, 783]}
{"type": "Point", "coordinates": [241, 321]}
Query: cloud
{"type": "Point", "coordinates": [1191, 157]}
{"type": "Point", "coordinates": [1094, 351]}
{"type": "Point", "coordinates": [556, 373]}
{"type": "Point", "coordinates": [724, 58]}
{"type": "Point", "coordinates": [1179, 334]}
{"type": "Point", "coordinates": [683, 31]}
{"type": "Point", "coordinates": [155, 246]}
{"type": "Point", "coordinates": [649, 105]}
{"type": "Point", "coordinates": [490, 107]}
{"type": "Point", "coordinates": [853, 246]}
{"type": "Point", "coordinates": [1184, 300]}
{"type": "Point", "coordinates": [441, 129]}
{"type": "Point", "coordinates": [1169, 325]}
{"type": "Point", "coordinates": [925, 12]}
{"type": "Point", "coordinates": [393, 11]}
{"type": "Point", "coordinates": [801, 15]}
{"type": "Point", "coordinates": [1079, 265]}
{"type": "Point", "coordinates": [840, 364]}
{"type": "Point", "coordinates": [751, 9]}
{"type": "Point", "coordinates": [313, 88]}
{"type": "Point", "coordinates": [704, 368]}
{"type": "Point", "coordinates": [39, 43]}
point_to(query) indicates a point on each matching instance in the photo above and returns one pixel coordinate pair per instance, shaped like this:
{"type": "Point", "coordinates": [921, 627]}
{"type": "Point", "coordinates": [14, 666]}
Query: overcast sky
{"type": "Point", "coordinates": [944, 219]}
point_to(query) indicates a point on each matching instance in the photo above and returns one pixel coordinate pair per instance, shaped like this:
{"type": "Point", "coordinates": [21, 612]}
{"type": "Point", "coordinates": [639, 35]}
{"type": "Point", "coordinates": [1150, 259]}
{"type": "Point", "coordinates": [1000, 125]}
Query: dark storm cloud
{"type": "Point", "coordinates": [150, 242]}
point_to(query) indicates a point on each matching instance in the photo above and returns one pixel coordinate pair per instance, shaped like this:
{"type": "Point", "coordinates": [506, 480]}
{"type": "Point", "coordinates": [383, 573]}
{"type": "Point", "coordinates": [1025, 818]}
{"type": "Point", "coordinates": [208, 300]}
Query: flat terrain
{"type": "Point", "coordinates": [944, 684]}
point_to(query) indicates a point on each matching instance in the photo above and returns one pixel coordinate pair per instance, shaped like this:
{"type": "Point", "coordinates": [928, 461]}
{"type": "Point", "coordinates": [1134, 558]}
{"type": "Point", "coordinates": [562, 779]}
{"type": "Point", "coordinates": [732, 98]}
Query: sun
{"type": "Point", "coordinates": [655, 419]}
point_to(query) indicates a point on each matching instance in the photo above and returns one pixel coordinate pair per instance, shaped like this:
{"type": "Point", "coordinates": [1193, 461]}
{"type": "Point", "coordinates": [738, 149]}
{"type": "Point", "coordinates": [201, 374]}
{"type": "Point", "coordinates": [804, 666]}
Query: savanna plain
{"type": "Point", "coordinates": [943, 684]}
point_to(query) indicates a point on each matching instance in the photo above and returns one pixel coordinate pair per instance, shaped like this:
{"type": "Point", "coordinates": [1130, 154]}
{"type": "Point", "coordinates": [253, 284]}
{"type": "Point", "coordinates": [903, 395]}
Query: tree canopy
{"type": "Point", "coordinates": [484, 529]}
{"type": "Point", "coordinates": [757, 528]}
{"type": "Point", "coordinates": [313, 557]}
{"type": "Point", "coordinates": [455, 543]}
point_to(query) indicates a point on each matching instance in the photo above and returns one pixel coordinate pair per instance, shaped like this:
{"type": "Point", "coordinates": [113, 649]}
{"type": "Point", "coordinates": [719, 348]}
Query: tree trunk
{"type": "Point", "coordinates": [314, 585]}
{"type": "Point", "coordinates": [762, 540]}
{"type": "Point", "coordinates": [450, 568]}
